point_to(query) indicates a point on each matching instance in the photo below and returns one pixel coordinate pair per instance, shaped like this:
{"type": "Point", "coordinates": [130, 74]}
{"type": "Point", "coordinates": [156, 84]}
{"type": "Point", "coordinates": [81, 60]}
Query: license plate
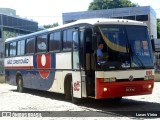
{"type": "Point", "coordinates": [130, 89]}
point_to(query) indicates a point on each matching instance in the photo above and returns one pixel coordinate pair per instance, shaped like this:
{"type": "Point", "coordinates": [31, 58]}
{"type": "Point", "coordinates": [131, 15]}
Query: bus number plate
{"type": "Point", "coordinates": [130, 89]}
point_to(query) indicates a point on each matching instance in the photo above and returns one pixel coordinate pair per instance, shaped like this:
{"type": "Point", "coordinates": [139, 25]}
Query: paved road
{"type": "Point", "coordinates": [32, 100]}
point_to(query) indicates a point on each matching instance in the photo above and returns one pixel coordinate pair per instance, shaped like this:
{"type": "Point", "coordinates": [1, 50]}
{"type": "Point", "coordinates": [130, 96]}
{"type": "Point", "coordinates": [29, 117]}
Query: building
{"type": "Point", "coordinates": [12, 26]}
{"type": "Point", "coordinates": [145, 14]}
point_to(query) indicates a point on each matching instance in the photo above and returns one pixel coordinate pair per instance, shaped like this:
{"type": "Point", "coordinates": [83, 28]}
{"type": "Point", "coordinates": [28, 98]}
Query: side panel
{"type": "Point", "coordinates": [18, 64]}
{"type": "Point", "coordinates": [63, 67]}
{"type": "Point", "coordinates": [38, 71]}
{"type": "Point", "coordinates": [58, 85]}
{"type": "Point", "coordinates": [56, 80]}
{"type": "Point", "coordinates": [76, 82]}
{"type": "Point", "coordinates": [41, 71]}
{"type": "Point", "coordinates": [63, 60]}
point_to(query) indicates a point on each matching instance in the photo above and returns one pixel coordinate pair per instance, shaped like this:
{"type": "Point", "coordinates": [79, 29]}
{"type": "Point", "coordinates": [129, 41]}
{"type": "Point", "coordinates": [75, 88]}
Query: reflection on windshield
{"type": "Point", "coordinates": [126, 46]}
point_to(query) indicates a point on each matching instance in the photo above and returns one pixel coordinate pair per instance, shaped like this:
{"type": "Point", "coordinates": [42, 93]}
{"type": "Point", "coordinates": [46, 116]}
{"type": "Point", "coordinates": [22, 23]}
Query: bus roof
{"type": "Point", "coordinates": [93, 21]}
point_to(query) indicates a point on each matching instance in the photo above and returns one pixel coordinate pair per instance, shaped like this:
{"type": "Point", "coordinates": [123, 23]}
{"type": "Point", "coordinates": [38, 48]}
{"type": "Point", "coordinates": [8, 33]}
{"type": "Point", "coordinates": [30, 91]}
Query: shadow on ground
{"type": "Point", "coordinates": [106, 107]}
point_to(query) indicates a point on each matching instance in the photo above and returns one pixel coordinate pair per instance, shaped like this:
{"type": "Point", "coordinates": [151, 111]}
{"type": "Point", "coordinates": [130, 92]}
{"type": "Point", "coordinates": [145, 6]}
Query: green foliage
{"type": "Point", "coordinates": [51, 26]}
{"type": "Point", "coordinates": [109, 4]}
{"type": "Point", "coordinates": [158, 28]}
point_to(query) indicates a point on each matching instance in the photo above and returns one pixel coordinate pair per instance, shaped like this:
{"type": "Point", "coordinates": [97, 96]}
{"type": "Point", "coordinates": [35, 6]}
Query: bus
{"type": "Point", "coordinates": [63, 60]}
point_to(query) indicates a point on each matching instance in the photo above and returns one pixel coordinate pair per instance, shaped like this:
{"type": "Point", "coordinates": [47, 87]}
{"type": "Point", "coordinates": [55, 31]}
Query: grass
{"type": "Point", "coordinates": [2, 80]}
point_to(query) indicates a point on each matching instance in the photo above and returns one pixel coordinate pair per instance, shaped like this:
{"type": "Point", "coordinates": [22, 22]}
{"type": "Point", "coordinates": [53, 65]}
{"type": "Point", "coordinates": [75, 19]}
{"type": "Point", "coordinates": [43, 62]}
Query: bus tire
{"type": "Point", "coordinates": [69, 91]}
{"type": "Point", "coordinates": [68, 95]}
{"type": "Point", "coordinates": [20, 84]}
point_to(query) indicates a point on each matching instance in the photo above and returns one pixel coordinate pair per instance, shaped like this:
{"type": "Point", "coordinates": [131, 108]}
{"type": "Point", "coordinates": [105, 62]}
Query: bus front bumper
{"type": "Point", "coordinates": [120, 89]}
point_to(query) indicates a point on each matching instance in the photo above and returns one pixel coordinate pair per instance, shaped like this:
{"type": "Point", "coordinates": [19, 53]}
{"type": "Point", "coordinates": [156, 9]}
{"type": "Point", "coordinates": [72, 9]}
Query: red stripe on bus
{"type": "Point", "coordinates": [18, 67]}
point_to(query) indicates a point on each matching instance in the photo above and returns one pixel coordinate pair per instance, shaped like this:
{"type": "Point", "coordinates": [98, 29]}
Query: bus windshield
{"type": "Point", "coordinates": [125, 47]}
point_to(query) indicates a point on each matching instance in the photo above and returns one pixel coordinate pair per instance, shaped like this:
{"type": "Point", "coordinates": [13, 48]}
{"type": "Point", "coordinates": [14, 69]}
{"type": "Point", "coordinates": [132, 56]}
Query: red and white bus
{"type": "Point", "coordinates": [63, 60]}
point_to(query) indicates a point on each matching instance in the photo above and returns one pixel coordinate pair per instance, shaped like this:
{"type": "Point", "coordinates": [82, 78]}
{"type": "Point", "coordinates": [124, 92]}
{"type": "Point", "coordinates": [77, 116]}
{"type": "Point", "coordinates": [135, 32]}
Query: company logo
{"type": "Point", "coordinates": [131, 78]}
{"type": "Point", "coordinates": [76, 86]}
{"type": "Point", "coordinates": [43, 65]}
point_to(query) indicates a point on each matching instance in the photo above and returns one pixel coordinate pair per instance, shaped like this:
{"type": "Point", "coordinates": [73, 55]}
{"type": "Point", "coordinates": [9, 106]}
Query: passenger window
{"type": "Point", "coordinates": [21, 47]}
{"type": "Point", "coordinates": [67, 40]}
{"type": "Point", "coordinates": [30, 45]}
{"type": "Point", "coordinates": [13, 49]}
{"type": "Point", "coordinates": [7, 50]}
{"type": "Point", "coordinates": [42, 43]}
{"type": "Point", "coordinates": [55, 41]}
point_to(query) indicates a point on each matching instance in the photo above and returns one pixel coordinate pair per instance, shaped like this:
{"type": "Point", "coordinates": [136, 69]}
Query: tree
{"type": "Point", "coordinates": [158, 28]}
{"type": "Point", "coordinates": [52, 25]}
{"type": "Point", "coordinates": [109, 4]}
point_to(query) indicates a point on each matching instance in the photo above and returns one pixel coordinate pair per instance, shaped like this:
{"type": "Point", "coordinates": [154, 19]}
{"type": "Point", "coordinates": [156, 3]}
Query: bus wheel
{"type": "Point", "coordinates": [20, 84]}
{"type": "Point", "coordinates": [68, 95]}
{"type": "Point", "coordinates": [69, 92]}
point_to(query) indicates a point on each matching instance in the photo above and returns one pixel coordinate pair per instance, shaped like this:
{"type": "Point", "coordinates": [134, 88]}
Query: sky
{"type": "Point", "coordinates": [50, 11]}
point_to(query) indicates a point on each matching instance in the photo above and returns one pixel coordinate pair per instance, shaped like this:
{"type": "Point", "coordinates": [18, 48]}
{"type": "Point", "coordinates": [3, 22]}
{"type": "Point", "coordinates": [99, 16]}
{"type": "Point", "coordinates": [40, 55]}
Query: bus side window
{"type": "Point", "coordinates": [67, 40]}
{"type": "Point", "coordinates": [41, 43]}
{"type": "Point", "coordinates": [6, 50]}
{"type": "Point", "coordinates": [55, 41]}
{"type": "Point", "coordinates": [30, 45]}
{"type": "Point", "coordinates": [13, 47]}
{"type": "Point", "coordinates": [21, 47]}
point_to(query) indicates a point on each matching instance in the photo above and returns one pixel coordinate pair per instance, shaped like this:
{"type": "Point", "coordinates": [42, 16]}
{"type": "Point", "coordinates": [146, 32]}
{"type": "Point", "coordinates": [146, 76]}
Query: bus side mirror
{"type": "Point", "coordinates": [153, 45]}
{"type": "Point", "coordinates": [94, 42]}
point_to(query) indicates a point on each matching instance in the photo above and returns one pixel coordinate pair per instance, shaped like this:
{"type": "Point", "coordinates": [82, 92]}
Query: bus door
{"type": "Point", "coordinates": [76, 74]}
{"type": "Point", "coordinates": [89, 63]}
{"type": "Point", "coordinates": [82, 63]}
{"type": "Point", "coordinates": [86, 62]}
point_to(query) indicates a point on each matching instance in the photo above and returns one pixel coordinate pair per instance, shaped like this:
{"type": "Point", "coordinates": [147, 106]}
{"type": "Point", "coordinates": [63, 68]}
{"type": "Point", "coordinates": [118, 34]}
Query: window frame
{"type": "Point", "coordinates": [34, 39]}
{"type": "Point", "coordinates": [60, 41]}
{"type": "Point", "coordinates": [20, 47]}
{"type": "Point", "coordinates": [8, 54]}
{"type": "Point", "coordinates": [71, 48]}
{"type": "Point", "coordinates": [10, 50]}
{"type": "Point", "coordinates": [36, 43]}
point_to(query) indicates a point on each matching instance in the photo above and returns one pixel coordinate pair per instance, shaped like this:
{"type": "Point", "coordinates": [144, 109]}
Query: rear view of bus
{"type": "Point", "coordinates": [128, 69]}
